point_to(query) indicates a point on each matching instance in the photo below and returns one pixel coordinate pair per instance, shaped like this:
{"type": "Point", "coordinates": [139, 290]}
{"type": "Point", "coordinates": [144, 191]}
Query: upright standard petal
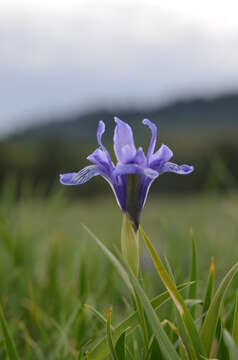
{"type": "Point", "coordinates": [81, 177]}
{"type": "Point", "coordinates": [160, 157]}
{"type": "Point", "coordinates": [100, 132]}
{"type": "Point", "coordinates": [153, 129]}
{"type": "Point", "coordinates": [124, 146]}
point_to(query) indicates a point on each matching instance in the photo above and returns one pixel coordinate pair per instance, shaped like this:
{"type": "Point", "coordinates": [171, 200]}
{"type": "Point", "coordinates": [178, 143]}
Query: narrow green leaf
{"type": "Point", "coordinates": [120, 347]}
{"type": "Point", "coordinates": [109, 335]}
{"type": "Point", "coordinates": [235, 322]}
{"type": "Point", "coordinates": [100, 350]}
{"type": "Point", "coordinates": [180, 324]}
{"type": "Point", "coordinates": [98, 315]}
{"type": "Point", "coordinates": [210, 322]}
{"type": "Point", "coordinates": [10, 347]}
{"type": "Point", "coordinates": [111, 257]}
{"type": "Point", "coordinates": [185, 314]}
{"type": "Point", "coordinates": [192, 294]}
{"type": "Point", "coordinates": [210, 287]}
{"type": "Point", "coordinates": [182, 350]}
{"type": "Point", "coordinates": [165, 344]}
{"type": "Point", "coordinates": [232, 347]}
{"type": "Point", "coordinates": [143, 325]}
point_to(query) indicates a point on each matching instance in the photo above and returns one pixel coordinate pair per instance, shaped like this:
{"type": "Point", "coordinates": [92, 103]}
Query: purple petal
{"type": "Point", "coordinates": [100, 132]}
{"type": "Point", "coordinates": [140, 158]}
{"type": "Point", "coordinates": [160, 157]}
{"type": "Point", "coordinates": [124, 169]}
{"type": "Point", "coordinates": [178, 169]}
{"type": "Point", "coordinates": [153, 129]}
{"type": "Point", "coordinates": [124, 146]}
{"type": "Point", "coordinates": [81, 177]}
{"type": "Point", "coordinates": [98, 157]}
{"type": "Point", "coordinates": [144, 190]}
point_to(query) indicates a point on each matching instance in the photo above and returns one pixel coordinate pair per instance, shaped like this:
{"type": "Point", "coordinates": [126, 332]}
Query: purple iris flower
{"type": "Point", "coordinates": [132, 176]}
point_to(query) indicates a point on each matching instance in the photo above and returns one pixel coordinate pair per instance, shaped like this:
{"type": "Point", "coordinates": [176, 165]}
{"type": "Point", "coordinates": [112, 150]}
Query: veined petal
{"type": "Point", "coordinates": [178, 169]}
{"type": "Point", "coordinates": [81, 177]}
{"type": "Point", "coordinates": [124, 146]}
{"type": "Point", "coordinates": [160, 157]}
{"type": "Point", "coordinates": [153, 129]}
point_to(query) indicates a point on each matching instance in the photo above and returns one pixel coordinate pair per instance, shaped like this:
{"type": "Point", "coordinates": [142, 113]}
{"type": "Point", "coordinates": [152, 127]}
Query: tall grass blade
{"type": "Point", "coordinates": [120, 347]}
{"type": "Point", "coordinates": [111, 257]}
{"type": "Point", "coordinates": [185, 314]}
{"type": "Point", "coordinates": [235, 322]}
{"type": "Point", "coordinates": [182, 350]}
{"type": "Point", "coordinates": [100, 350]}
{"type": "Point", "coordinates": [192, 294]}
{"type": "Point", "coordinates": [210, 322]}
{"type": "Point", "coordinates": [109, 335]}
{"type": "Point", "coordinates": [232, 347]}
{"type": "Point", "coordinates": [210, 287]}
{"type": "Point", "coordinates": [164, 342]}
{"type": "Point", "coordinates": [10, 346]}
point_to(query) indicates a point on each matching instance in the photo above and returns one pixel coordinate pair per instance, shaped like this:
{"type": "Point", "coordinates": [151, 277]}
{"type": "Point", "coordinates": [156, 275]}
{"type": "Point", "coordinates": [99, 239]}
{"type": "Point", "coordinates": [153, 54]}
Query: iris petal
{"type": "Point", "coordinates": [81, 177]}
{"type": "Point", "coordinates": [100, 132]}
{"type": "Point", "coordinates": [153, 129]}
{"type": "Point", "coordinates": [98, 157]}
{"type": "Point", "coordinates": [160, 157]}
{"type": "Point", "coordinates": [178, 169]}
{"type": "Point", "coordinates": [124, 146]}
{"type": "Point", "coordinates": [140, 158]}
{"type": "Point", "coordinates": [125, 169]}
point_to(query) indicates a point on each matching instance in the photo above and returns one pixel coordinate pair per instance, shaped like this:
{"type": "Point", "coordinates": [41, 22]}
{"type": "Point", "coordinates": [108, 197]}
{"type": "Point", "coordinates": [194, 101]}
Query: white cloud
{"type": "Point", "coordinates": [58, 54]}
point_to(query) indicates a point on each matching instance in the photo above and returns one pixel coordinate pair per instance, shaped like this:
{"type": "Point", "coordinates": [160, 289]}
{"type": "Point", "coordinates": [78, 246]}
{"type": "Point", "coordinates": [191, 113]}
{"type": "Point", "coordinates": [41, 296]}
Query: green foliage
{"type": "Point", "coordinates": [192, 294]}
{"type": "Point", "coordinates": [56, 284]}
{"type": "Point", "coordinates": [10, 346]}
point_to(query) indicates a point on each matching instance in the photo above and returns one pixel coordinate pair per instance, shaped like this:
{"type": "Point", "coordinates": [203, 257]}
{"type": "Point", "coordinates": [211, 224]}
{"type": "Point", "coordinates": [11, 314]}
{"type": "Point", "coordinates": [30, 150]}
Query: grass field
{"type": "Point", "coordinates": [50, 267]}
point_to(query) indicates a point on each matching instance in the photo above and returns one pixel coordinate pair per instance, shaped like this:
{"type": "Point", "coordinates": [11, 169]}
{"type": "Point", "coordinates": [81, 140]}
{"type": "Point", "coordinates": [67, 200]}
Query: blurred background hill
{"type": "Point", "coordinates": [201, 131]}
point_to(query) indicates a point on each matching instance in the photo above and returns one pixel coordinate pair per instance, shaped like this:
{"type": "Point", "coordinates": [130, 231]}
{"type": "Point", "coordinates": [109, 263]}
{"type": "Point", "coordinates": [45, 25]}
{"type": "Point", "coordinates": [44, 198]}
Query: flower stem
{"type": "Point", "coordinates": [130, 243]}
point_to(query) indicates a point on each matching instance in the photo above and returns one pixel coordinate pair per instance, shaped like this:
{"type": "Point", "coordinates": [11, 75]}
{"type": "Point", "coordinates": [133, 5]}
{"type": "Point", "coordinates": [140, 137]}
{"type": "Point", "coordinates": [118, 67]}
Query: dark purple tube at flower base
{"type": "Point", "coordinates": [134, 173]}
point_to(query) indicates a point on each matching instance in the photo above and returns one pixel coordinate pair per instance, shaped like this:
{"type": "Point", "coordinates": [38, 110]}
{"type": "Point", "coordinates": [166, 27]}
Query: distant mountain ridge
{"type": "Point", "coordinates": [219, 113]}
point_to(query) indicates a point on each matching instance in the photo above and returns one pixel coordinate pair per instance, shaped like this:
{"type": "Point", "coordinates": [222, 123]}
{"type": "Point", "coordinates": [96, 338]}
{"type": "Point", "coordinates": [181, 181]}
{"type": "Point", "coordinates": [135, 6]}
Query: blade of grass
{"type": "Point", "coordinates": [10, 346]}
{"type": "Point", "coordinates": [120, 347]}
{"type": "Point", "coordinates": [209, 290]}
{"type": "Point", "coordinates": [235, 322]}
{"type": "Point", "coordinates": [111, 257]}
{"type": "Point", "coordinates": [192, 293]}
{"type": "Point", "coordinates": [210, 322]}
{"type": "Point", "coordinates": [232, 347]}
{"type": "Point", "coordinates": [98, 315]}
{"type": "Point", "coordinates": [185, 314]}
{"type": "Point", "coordinates": [100, 350]}
{"type": "Point", "coordinates": [165, 344]}
{"type": "Point", "coordinates": [182, 333]}
{"type": "Point", "coordinates": [182, 350]}
{"type": "Point", "coordinates": [109, 335]}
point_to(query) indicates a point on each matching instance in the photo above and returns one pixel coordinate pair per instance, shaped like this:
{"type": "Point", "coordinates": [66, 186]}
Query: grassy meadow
{"type": "Point", "coordinates": [50, 267]}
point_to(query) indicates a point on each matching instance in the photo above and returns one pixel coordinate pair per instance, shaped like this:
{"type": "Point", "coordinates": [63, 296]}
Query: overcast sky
{"type": "Point", "coordinates": [63, 55]}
